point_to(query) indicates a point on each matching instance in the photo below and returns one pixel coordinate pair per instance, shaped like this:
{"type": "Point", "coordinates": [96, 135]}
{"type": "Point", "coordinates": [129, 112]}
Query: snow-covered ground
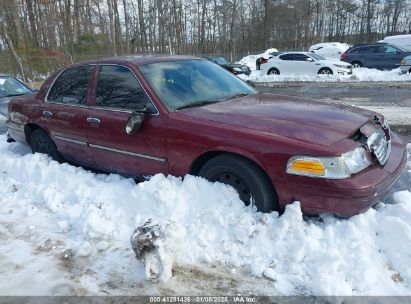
{"type": "Point", "coordinates": [65, 230]}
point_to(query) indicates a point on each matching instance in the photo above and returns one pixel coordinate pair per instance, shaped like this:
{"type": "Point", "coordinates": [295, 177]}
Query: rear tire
{"type": "Point", "coordinates": [325, 71]}
{"type": "Point", "coordinates": [40, 142]}
{"type": "Point", "coordinates": [356, 64]}
{"type": "Point", "coordinates": [249, 180]}
{"type": "Point", "coordinates": [273, 71]}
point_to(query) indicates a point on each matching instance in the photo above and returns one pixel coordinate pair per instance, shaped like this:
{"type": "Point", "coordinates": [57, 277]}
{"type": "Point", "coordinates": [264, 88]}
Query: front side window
{"type": "Point", "coordinates": [72, 85]}
{"type": "Point", "coordinates": [389, 49]}
{"type": "Point", "coordinates": [118, 88]}
{"type": "Point", "coordinates": [301, 57]}
{"type": "Point", "coordinates": [189, 83]}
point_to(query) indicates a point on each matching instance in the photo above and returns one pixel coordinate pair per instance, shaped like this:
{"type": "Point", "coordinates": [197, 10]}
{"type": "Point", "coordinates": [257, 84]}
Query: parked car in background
{"type": "Point", "coordinates": [303, 63]}
{"type": "Point", "coordinates": [269, 53]}
{"type": "Point", "coordinates": [382, 56]}
{"type": "Point", "coordinates": [234, 68]}
{"type": "Point", "coordinates": [10, 87]}
{"type": "Point", "coordinates": [178, 115]}
{"type": "Point", "coordinates": [329, 50]}
{"type": "Point", "coordinates": [406, 65]}
{"type": "Point", "coordinates": [403, 41]}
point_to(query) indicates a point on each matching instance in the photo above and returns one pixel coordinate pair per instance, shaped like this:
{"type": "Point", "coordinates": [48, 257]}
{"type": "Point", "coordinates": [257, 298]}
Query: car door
{"type": "Point", "coordinates": [391, 56]}
{"type": "Point", "coordinates": [287, 64]}
{"type": "Point", "coordinates": [374, 57]}
{"type": "Point", "coordinates": [117, 94]}
{"type": "Point", "coordinates": [305, 65]}
{"type": "Point", "coordinates": [65, 110]}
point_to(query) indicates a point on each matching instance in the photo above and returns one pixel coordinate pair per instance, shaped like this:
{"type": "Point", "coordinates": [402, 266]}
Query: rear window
{"type": "Point", "coordinates": [71, 86]}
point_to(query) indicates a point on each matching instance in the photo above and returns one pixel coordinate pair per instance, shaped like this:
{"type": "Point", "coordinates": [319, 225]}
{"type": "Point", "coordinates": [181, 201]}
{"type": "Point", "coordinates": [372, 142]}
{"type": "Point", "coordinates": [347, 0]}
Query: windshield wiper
{"type": "Point", "coordinates": [12, 95]}
{"type": "Point", "coordinates": [197, 104]}
{"type": "Point", "coordinates": [236, 96]}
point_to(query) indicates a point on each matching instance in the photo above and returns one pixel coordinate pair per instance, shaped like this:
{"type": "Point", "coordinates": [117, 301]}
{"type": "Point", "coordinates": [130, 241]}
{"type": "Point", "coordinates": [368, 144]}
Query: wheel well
{"type": "Point", "coordinates": [270, 69]}
{"type": "Point", "coordinates": [28, 130]}
{"type": "Point", "coordinates": [200, 161]}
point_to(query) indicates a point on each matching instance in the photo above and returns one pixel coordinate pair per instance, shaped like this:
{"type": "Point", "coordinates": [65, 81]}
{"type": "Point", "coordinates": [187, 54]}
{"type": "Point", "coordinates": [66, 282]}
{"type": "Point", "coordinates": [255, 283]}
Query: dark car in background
{"type": "Point", "coordinates": [383, 56]}
{"type": "Point", "coordinates": [10, 87]}
{"type": "Point", "coordinates": [234, 68]}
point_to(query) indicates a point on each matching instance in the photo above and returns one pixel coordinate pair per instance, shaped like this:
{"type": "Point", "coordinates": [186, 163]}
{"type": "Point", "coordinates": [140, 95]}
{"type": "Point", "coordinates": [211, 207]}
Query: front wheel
{"type": "Point", "coordinates": [41, 143]}
{"type": "Point", "coordinates": [252, 184]}
{"type": "Point", "coordinates": [325, 71]}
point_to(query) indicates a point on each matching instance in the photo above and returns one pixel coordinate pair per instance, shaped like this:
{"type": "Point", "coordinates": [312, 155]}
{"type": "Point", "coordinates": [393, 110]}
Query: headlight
{"type": "Point", "coordinates": [237, 70]}
{"type": "Point", "coordinates": [330, 167]}
{"type": "Point", "coordinates": [403, 61]}
{"type": "Point", "coordinates": [341, 66]}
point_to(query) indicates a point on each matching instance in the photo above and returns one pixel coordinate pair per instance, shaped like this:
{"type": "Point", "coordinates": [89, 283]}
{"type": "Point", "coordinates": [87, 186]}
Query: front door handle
{"type": "Point", "coordinates": [93, 120]}
{"type": "Point", "coordinates": [47, 114]}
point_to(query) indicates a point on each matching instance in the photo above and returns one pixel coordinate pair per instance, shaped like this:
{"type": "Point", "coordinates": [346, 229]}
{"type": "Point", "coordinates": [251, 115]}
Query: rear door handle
{"type": "Point", "coordinates": [47, 114]}
{"type": "Point", "coordinates": [93, 120]}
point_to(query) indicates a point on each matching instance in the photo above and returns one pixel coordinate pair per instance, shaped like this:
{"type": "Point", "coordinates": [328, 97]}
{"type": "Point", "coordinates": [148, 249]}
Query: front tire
{"type": "Point", "coordinates": [40, 142]}
{"type": "Point", "coordinates": [249, 180]}
{"type": "Point", "coordinates": [325, 71]}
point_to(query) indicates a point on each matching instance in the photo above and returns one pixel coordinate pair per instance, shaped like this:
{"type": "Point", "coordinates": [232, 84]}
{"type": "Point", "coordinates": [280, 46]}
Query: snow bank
{"type": "Point", "coordinates": [360, 74]}
{"type": "Point", "coordinates": [70, 230]}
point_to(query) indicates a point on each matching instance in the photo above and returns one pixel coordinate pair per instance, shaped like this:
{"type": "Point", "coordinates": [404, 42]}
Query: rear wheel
{"type": "Point", "coordinates": [356, 64]}
{"type": "Point", "coordinates": [325, 71]}
{"type": "Point", "coordinates": [252, 184]}
{"type": "Point", "coordinates": [41, 143]}
{"type": "Point", "coordinates": [273, 71]}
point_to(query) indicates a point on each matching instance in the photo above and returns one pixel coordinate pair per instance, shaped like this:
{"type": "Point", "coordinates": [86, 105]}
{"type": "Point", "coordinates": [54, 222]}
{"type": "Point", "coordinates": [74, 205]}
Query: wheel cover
{"type": "Point", "coordinates": [42, 145]}
{"type": "Point", "coordinates": [273, 72]}
{"type": "Point", "coordinates": [326, 72]}
{"type": "Point", "coordinates": [235, 181]}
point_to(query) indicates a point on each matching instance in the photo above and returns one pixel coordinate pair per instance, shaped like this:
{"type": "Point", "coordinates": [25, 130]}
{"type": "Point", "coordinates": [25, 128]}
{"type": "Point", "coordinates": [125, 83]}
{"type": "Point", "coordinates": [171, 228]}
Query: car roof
{"type": "Point", "coordinates": [139, 59]}
{"type": "Point", "coordinates": [368, 44]}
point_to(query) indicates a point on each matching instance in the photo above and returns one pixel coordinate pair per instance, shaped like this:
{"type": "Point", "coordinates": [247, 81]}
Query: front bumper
{"type": "Point", "coordinates": [344, 71]}
{"type": "Point", "coordinates": [345, 197]}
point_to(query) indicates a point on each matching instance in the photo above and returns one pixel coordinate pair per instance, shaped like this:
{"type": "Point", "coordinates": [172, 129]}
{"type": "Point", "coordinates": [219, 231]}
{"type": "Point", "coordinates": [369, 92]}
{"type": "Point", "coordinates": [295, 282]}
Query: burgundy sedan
{"type": "Point", "coordinates": [178, 115]}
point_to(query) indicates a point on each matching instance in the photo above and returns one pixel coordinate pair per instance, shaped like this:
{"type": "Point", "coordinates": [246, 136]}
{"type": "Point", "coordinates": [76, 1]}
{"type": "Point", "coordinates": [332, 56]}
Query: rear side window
{"type": "Point", "coordinates": [357, 50]}
{"type": "Point", "coordinates": [71, 86]}
{"type": "Point", "coordinates": [288, 57]}
{"type": "Point", "coordinates": [118, 88]}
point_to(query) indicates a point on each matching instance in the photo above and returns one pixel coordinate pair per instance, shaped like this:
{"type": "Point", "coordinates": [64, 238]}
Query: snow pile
{"type": "Point", "coordinates": [331, 50]}
{"type": "Point", "coordinates": [359, 74]}
{"type": "Point", "coordinates": [70, 230]}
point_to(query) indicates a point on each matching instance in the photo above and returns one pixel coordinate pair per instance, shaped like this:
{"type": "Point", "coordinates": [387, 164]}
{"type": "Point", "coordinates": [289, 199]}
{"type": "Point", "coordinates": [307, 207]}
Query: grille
{"type": "Point", "coordinates": [380, 146]}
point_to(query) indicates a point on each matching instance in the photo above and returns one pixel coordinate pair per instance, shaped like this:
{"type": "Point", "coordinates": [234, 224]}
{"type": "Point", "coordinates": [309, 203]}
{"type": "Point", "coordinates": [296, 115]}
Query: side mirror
{"type": "Point", "coordinates": [310, 60]}
{"type": "Point", "coordinates": [134, 123]}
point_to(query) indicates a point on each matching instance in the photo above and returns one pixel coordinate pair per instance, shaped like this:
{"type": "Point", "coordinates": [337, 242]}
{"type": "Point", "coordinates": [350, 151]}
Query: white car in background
{"type": "Point", "coordinates": [303, 63]}
{"type": "Point", "coordinates": [329, 50]}
{"type": "Point", "coordinates": [406, 65]}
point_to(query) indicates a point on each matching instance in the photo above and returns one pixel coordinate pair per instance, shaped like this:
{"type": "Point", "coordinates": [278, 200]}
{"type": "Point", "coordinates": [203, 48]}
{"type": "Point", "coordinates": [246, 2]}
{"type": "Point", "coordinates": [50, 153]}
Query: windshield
{"type": "Point", "coordinates": [10, 86]}
{"type": "Point", "coordinates": [317, 57]}
{"type": "Point", "coordinates": [185, 83]}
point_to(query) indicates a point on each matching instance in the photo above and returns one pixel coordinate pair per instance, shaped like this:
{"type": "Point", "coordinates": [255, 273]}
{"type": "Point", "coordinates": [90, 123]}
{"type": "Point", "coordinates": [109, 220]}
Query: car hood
{"type": "Point", "coordinates": [286, 116]}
